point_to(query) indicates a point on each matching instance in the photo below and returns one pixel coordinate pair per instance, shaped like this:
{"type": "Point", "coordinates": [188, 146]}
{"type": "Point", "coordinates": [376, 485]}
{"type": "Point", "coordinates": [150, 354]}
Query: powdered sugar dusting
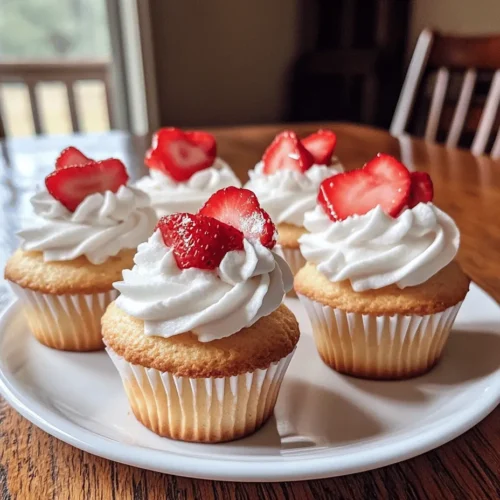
{"type": "Point", "coordinates": [253, 224]}
{"type": "Point", "coordinates": [186, 219]}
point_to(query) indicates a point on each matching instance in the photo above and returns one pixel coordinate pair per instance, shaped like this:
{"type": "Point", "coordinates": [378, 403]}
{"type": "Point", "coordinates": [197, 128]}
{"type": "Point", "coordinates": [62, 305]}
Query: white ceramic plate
{"type": "Point", "coordinates": [325, 424]}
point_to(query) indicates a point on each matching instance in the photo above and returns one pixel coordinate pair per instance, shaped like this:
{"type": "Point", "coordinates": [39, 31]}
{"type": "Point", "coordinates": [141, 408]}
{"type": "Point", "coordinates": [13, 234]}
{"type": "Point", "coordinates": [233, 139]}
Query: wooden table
{"type": "Point", "coordinates": [36, 465]}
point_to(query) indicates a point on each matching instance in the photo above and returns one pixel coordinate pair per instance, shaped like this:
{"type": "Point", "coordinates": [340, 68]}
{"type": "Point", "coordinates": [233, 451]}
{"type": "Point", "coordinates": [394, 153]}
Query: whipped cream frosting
{"type": "Point", "coordinates": [248, 284]}
{"type": "Point", "coordinates": [375, 250]}
{"type": "Point", "coordinates": [101, 226]}
{"type": "Point", "coordinates": [287, 195]}
{"type": "Point", "coordinates": [169, 196]}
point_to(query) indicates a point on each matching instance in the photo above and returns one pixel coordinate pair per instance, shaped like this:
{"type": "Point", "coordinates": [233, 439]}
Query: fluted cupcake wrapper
{"type": "Point", "coordinates": [379, 347]}
{"type": "Point", "coordinates": [201, 409]}
{"type": "Point", "coordinates": [294, 259]}
{"type": "Point", "coordinates": [69, 322]}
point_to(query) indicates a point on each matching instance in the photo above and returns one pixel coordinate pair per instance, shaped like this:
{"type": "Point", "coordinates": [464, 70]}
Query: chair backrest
{"type": "Point", "coordinates": [436, 62]}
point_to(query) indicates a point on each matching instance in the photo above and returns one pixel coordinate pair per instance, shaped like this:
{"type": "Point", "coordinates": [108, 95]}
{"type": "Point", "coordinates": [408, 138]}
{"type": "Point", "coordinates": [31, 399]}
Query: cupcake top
{"type": "Point", "coordinates": [87, 209]}
{"type": "Point", "coordinates": [213, 273]}
{"type": "Point", "coordinates": [377, 226]}
{"type": "Point", "coordinates": [287, 179]}
{"type": "Point", "coordinates": [184, 171]}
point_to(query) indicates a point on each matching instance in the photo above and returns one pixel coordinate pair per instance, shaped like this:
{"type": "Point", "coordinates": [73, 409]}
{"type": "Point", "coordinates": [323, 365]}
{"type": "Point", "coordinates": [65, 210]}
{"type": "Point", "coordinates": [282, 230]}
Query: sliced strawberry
{"type": "Point", "coordinates": [204, 140]}
{"type": "Point", "coordinates": [422, 190]}
{"type": "Point", "coordinates": [180, 154]}
{"type": "Point", "coordinates": [241, 209]}
{"type": "Point", "coordinates": [321, 145]}
{"type": "Point", "coordinates": [382, 181]}
{"type": "Point", "coordinates": [71, 185]}
{"type": "Point", "coordinates": [198, 241]}
{"type": "Point", "coordinates": [70, 157]}
{"type": "Point", "coordinates": [286, 152]}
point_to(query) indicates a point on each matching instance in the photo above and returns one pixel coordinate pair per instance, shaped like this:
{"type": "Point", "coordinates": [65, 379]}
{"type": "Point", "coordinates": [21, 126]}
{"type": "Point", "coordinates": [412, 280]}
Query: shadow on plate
{"type": "Point", "coordinates": [312, 416]}
{"type": "Point", "coordinates": [468, 355]}
{"type": "Point", "coordinates": [266, 437]}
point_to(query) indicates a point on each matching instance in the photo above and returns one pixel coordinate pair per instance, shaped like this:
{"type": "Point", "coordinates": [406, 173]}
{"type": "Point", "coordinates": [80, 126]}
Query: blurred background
{"type": "Point", "coordinates": [95, 65]}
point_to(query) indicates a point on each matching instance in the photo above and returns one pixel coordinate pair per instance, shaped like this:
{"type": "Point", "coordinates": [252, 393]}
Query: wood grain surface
{"type": "Point", "coordinates": [34, 465]}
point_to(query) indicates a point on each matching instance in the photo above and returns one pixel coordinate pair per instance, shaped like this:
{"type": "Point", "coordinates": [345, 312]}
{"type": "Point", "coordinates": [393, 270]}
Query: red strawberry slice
{"type": "Point", "coordinates": [198, 241]}
{"type": "Point", "coordinates": [286, 152]}
{"type": "Point", "coordinates": [71, 185]}
{"type": "Point", "coordinates": [181, 154]}
{"type": "Point", "coordinates": [70, 157]}
{"type": "Point", "coordinates": [321, 145]}
{"type": "Point", "coordinates": [382, 181]}
{"type": "Point", "coordinates": [204, 140]}
{"type": "Point", "coordinates": [422, 190]}
{"type": "Point", "coordinates": [241, 209]}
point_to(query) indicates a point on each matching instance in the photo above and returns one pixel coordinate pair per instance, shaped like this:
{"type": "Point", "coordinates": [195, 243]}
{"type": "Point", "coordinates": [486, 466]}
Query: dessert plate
{"type": "Point", "coordinates": [325, 424]}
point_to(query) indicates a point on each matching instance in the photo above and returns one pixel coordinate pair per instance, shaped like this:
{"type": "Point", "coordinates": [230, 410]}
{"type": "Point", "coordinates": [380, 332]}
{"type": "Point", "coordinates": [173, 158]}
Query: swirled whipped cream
{"type": "Point", "coordinates": [247, 285]}
{"type": "Point", "coordinates": [101, 226]}
{"type": "Point", "coordinates": [169, 196]}
{"type": "Point", "coordinates": [375, 250]}
{"type": "Point", "coordinates": [287, 195]}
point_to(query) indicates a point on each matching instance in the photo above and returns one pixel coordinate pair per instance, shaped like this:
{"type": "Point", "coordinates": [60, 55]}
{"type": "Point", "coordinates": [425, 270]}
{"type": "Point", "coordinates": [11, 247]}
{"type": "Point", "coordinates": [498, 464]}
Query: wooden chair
{"type": "Point", "coordinates": [453, 109]}
{"type": "Point", "coordinates": [351, 60]}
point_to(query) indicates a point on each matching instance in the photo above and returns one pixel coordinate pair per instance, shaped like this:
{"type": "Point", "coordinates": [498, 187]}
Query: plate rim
{"type": "Point", "coordinates": [236, 469]}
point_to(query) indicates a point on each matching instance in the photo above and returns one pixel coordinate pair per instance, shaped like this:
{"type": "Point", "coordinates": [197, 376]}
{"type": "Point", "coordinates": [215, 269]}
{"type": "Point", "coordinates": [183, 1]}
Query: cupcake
{"type": "Point", "coordinates": [184, 170]}
{"type": "Point", "coordinates": [381, 285]}
{"type": "Point", "coordinates": [199, 333]}
{"type": "Point", "coordinates": [286, 183]}
{"type": "Point", "coordinates": [88, 225]}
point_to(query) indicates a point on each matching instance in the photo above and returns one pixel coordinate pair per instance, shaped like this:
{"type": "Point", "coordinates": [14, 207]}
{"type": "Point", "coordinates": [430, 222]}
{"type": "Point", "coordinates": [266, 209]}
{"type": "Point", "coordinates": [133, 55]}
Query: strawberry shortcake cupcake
{"type": "Point", "coordinates": [199, 333]}
{"type": "Point", "coordinates": [286, 182]}
{"type": "Point", "coordinates": [88, 225]}
{"type": "Point", "coordinates": [381, 286]}
{"type": "Point", "coordinates": [184, 170]}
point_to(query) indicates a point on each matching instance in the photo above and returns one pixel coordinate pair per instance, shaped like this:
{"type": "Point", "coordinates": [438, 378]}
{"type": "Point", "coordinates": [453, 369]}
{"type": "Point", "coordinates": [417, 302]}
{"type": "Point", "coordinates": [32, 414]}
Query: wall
{"type": "Point", "coordinates": [202, 45]}
{"type": "Point", "coordinates": [455, 16]}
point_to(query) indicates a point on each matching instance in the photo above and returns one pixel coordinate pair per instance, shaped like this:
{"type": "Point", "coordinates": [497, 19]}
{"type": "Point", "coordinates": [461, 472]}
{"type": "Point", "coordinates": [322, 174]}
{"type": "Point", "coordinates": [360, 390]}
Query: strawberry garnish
{"type": "Point", "coordinates": [286, 152]}
{"type": "Point", "coordinates": [198, 241]}
{"type": "Point", "coordinates": [382, 181]}
{"type": "Point", "coordinates": [181, 154]}
{"type": "Point", "coordinates": [241, 209]}
{"type": "Point", "coordinates": [422, 190]}
{"type": "Point", "coordinates": [204, 140]}
{"type": "Point", "coordinates": [321, 145]}
{"type": "Point", "coordinates": [70, 157]}
{"type": "Point", "coordinates": [71, 185]}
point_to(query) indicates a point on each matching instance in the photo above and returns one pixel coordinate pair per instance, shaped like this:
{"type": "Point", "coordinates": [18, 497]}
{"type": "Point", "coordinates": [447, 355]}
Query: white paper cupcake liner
{"type": "Point", "coordinates": [380, 347]}
{"type": "Point", "coordinates": [201, 409]}
{"type": "Point", "coordinates": [66, 322]}
{"type": "Point", "coordinates": [294, 259]}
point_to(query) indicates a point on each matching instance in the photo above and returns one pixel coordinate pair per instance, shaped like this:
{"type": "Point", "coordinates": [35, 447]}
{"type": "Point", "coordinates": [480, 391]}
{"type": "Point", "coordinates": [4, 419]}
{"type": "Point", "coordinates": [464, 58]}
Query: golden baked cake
{"type": "Point", "coordinates": [286, 182]}
{"type": "Point", "coordinates": [184, 170]}
{"type": "Point", "coordinates": [87, 227]}
{"type": "Point", "coordinates": [199, 333]}
{"type": "Point", "coordinates": [381, 285]}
